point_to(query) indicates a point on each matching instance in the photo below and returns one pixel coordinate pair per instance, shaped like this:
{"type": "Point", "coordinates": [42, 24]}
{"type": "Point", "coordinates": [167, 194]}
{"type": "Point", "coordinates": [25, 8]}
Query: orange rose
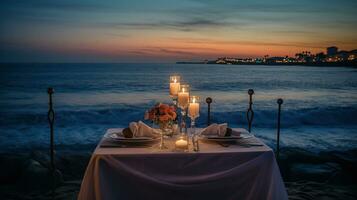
{"type": "Point", "coordinates": [164, 118]}
{"type": "Point", "coordinates": [167, 110]}
{"type": "Point", "coordinates": [172, 115]}
{"type": "Point", "coordinates": [172, 109]}
{"type": "Point", "coordinates": [163, 108]}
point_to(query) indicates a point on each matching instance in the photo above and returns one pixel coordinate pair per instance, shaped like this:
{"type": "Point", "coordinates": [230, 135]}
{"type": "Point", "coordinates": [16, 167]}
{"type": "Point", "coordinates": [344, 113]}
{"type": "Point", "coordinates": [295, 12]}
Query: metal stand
{"type": "Point", "coordinates": [250, 112]}
{"type": "Point", "coordinates": [51, 120]}
{"type": "Point", "coordinates": [279, 101]}
{"type": "Point", "coordinates": [56, 175]}
{"type": "Point", "coordinates": [183, 126]}
{"type": "Point", "coordinates": [208, 101]}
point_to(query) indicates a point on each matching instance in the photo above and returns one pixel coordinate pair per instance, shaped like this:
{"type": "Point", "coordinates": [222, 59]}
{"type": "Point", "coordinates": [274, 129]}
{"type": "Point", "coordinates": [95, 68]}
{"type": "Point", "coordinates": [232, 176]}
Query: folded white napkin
{"type": "Point", "coordinates": [140, 129]}
{"type": "Point", "coordinates": [215, 129]}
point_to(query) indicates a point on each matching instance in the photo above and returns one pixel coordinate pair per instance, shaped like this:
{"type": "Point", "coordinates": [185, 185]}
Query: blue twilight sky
{"type": "Point", "coordinates": [170, 30]}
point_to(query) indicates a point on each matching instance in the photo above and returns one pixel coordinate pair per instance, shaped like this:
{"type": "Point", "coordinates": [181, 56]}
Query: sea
{"type": "Point", "coordinates": [319, 112]}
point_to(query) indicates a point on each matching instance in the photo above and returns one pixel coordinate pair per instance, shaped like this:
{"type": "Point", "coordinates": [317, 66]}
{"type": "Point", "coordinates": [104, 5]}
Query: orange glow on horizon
{"type": "Point", "coordinates": [177, 48]}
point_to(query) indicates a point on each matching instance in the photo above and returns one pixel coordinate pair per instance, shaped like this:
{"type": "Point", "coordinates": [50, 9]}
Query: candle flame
{"type": "Point", "coordinates": [183, 89]}
{"type": "Point", "coordinates": [175, 80]}
{"type": "Point", "coordinates": [194, 100]}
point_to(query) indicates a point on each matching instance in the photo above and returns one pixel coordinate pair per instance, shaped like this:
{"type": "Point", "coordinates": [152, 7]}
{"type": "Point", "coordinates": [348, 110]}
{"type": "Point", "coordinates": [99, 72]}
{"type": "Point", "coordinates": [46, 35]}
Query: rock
{"type": "Point", "coordinates": [313, 172]}
{"type": "Point", "coordinates": [37, 177]}
{"type": "Point", "coordinates": [300, 190]}
{"type": "Point", "coordinates": [11, 168]}
{"type": "Point", "coordinates": [41, 157]}
{"type": "Point", "coordinates": [299, 155]}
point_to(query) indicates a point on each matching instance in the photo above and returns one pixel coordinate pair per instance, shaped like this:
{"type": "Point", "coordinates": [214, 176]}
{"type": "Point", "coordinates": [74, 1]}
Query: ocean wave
{"type": "Point", "coordinates": [330, 116]}
{"type": "Point", "coordinates": [324, 116]}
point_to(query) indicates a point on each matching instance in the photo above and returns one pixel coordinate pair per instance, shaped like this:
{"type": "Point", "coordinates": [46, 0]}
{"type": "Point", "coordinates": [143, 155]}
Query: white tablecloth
{"type": "Point", "coordinates": [216, 172]}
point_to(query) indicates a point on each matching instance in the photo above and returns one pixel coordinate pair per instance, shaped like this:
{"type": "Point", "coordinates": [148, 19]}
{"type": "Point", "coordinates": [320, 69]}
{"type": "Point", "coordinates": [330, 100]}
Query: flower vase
{"type": "Point", "coordinates": [163, 131]}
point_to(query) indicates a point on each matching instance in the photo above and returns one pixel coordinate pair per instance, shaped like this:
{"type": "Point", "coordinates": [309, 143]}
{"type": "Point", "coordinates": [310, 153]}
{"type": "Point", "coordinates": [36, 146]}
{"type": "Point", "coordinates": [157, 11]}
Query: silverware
{"type": "Point", "coordinates": [250, 145]}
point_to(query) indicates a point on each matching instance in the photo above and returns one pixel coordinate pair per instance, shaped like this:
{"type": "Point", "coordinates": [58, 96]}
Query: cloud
{"type": "Point", "coordinates": [218, 42]}
{"type": "Point", "coordinates": [282, 6]}
{"type": "Point", "coordinates": [176, 52]}
{"type": "Point", "coordinates": [150, 50]}
{"type": "Point", "coordinates": [185, 26]}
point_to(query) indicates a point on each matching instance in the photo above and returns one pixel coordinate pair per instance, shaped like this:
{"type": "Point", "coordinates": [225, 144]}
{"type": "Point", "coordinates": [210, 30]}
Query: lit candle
{"type": "Point", "coordinates": [181, 143]}
{"type": "Point", "coordinates": [194, 108]}
{"type": "Point", "coordinates": [183, 96]}
{"type": "Point", "coordinates": [174, 85]}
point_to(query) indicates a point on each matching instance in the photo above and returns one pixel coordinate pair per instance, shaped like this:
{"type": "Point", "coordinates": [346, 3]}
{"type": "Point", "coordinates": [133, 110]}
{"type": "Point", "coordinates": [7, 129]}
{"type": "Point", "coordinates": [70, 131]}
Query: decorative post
{"type": "Point", "coordinates": [56, 174]}
{"type": "Point", "coordinates": [279, 101]}
{"type": "Point", "coordinates": [208, 101]}
{"type": "Point", "coordinates": [250, 112]}
{"type": "Point", "coordinates": [51, 120]}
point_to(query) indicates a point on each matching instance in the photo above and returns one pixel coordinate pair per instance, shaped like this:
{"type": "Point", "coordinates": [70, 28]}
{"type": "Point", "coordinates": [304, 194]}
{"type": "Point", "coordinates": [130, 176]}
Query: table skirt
{"type": "Point", "coordinates": [232, 175]}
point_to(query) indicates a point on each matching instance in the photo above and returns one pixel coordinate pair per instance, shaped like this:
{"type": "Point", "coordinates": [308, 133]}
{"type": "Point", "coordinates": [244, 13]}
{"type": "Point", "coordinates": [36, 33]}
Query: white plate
{"type": "Point", "coordinates": [226, 139]}
{"type": "Point", "coordinates": [245, 135]}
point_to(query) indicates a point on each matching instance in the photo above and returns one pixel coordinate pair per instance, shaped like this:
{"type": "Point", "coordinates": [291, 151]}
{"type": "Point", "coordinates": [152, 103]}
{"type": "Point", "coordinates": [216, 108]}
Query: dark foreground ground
{"type": "Point", "coordinates": [307, 175]}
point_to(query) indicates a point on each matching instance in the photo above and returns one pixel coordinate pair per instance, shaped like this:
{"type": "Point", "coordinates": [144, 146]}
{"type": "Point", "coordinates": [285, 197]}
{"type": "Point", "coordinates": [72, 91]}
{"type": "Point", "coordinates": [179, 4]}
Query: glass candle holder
{"type": "Point", "coordinates": [174, 88]}
{"type": "Point", "coordinates": [181, 143]}
{"type": "Point", "coordinates": [194, 111]}
{"type": "Point", "coordinates": [183, 98]}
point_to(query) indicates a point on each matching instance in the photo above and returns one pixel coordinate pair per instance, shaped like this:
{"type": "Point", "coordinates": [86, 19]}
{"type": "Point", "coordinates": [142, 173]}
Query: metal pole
{"type": "Point", "coordinates": [208, 101]}
{"type": "Point", "coordinates": [51, 119]}
{"type": "Point", "coordinates": [279, 101]}
{"type": "Point", "coordinates": [250, 112]}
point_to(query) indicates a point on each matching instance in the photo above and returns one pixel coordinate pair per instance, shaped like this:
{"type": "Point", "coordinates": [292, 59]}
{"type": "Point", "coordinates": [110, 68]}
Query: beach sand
{"type": "Point", "coordinates": [307, 175]}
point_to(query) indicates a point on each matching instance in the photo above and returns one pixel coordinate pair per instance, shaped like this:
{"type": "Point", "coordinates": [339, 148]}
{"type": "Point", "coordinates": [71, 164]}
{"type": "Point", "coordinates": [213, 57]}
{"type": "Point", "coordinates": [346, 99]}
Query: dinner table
{"type": "Point", "coordinates": [245, 169]}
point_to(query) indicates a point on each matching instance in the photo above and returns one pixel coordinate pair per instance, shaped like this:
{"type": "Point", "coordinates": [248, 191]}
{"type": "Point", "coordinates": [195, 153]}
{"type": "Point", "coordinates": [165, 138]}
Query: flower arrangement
{"type": "Point", "coordinates": [162, 114]}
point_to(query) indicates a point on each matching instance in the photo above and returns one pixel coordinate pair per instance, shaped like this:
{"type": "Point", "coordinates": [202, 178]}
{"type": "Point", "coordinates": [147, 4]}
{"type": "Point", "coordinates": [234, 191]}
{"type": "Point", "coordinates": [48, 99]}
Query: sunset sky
{"type": "Point", "coordinates": [168, 30]}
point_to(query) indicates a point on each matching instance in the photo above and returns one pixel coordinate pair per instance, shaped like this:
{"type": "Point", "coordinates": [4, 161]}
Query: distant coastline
{"type": "Point", "coordinates": [317, 64]}
{"type": "Point", "coordinates": [333, 58]}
